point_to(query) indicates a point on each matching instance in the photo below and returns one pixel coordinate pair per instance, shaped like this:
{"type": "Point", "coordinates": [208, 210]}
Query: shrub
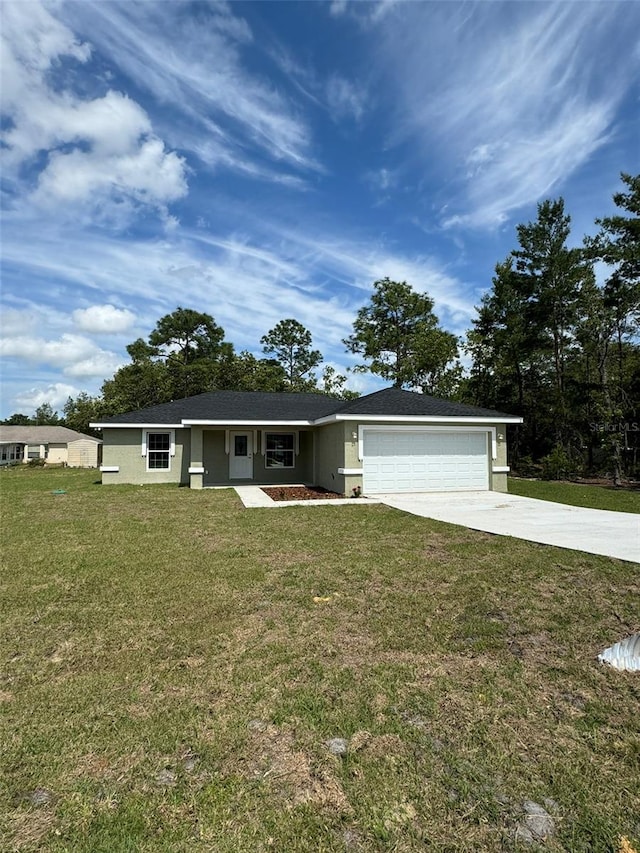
{"type": "Point", "coordinates": [557, 465]}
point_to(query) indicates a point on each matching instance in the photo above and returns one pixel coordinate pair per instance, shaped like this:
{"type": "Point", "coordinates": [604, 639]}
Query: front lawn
{"type": "Point", "coordinates": [578, 494]}
{"type": "Point", "coordinates": [174, 666]}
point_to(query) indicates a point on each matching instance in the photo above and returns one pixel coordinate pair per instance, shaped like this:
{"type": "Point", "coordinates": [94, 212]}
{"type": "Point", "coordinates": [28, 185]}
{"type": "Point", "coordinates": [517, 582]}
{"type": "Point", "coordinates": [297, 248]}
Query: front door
{"type": "Point", "coordinates": [240, 456]}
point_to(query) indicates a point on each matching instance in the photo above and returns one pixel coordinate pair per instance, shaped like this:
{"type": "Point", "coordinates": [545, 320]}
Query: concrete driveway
{"type": "Point", "coordinates": [596, 531]}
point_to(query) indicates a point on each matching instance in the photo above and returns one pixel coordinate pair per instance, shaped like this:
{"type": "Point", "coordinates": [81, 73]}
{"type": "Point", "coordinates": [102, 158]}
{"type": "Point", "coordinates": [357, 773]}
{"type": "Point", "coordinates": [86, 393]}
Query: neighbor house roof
{"type": "Point", "coordinates": [265, 407]}
{"type": "Point", "coordinates": [41, 435]}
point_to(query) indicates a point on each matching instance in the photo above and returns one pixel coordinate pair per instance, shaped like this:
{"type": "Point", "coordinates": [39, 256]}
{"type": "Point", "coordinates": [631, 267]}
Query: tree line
{"type": "Point", "coordinates": [555, 340]}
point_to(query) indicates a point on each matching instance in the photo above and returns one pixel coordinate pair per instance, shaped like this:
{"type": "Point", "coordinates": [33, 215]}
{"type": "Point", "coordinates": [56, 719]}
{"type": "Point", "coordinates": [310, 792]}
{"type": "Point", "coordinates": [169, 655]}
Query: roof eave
{"type": "Point", "coordinates": [478, 419]}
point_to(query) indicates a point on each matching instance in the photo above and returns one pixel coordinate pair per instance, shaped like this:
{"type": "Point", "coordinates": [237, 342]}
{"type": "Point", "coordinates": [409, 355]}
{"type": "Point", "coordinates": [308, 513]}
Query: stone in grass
{"type": "Point", "coordinates": [337, 746]}
{"type": "Point", "coordinates": [40, 797]}
{"type": "Point", "coordinates": [166, 778]}
{"type": "Point", "coordinates": [536, 825]}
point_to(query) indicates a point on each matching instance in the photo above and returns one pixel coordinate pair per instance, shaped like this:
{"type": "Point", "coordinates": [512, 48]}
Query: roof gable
{"type": "Point", "coordinates": [396, 402]}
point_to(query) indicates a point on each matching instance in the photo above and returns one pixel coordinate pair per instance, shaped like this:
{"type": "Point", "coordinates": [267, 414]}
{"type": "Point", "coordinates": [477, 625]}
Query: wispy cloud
{"type": "Point", "coordinates": [511, 96]}
{"type": "Point", "coordinates": [193, 65]}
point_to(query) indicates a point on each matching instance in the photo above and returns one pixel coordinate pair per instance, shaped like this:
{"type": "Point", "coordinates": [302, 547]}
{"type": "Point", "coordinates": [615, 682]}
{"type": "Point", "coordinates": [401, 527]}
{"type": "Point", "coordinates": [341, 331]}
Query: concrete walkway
{"type": "Point", "coordinates": [253, 496]}
{"type": "Point", "coordinates": [596, 531]}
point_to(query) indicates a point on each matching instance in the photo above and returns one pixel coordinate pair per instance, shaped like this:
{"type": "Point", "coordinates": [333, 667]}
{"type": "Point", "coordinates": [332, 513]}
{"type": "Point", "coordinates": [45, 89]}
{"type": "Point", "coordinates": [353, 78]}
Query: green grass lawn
{"type": "Point", "coordinates": [174, 664]}
{"type": "Point", "coordinates": [578, 494]}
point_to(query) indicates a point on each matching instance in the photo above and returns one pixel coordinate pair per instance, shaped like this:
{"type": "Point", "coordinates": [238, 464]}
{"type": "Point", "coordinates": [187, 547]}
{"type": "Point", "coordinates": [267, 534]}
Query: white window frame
{"type": "Point", "coordinates": [145, 447]}
{"type": "Point", "coordinates": [295, 450]}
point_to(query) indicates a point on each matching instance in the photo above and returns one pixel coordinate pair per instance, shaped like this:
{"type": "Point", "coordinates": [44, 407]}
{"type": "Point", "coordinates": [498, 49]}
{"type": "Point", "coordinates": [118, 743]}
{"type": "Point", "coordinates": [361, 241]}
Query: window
{"type": "Point", "coordinates": [279, 449]}
{"type": "Point", "coordinates": [33, 451]}
{"type": "Point", "coordinates": [158, 451]}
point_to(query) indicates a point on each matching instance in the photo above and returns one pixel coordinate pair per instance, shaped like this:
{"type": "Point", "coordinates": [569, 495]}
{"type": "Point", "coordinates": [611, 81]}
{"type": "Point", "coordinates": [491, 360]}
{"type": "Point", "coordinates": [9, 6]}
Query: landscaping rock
{"type": "Point", "coordinates": [536, 825]}
{"type": "Point", "coordinates": [40, 797]}
{"type": "Point", "coordinates": [337, 746]}
{"type": "Point", "coordinates": [166, 778]}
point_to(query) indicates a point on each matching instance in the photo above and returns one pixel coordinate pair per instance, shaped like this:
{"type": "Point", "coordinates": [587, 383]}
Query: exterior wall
{"type": "Point", "coordinates": [83, 453]}
{"type": "Point", "coordinates": [122, 448]}
{"type": "Point", "coordinates": [499, 478]}
{"type": "Point", "coordinates": [216, 462]}
{"type": "Point", "coordinates": [331, 453]}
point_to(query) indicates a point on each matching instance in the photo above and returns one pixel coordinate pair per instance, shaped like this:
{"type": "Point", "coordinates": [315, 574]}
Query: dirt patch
{"type": "Point", "coordinates": [275, 760]}
{"type": "Point", "coordinates": [299, 493]}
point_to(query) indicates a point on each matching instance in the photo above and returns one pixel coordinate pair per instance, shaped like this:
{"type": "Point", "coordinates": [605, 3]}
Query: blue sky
{"type": "Point", "coordinates": [259, 161]}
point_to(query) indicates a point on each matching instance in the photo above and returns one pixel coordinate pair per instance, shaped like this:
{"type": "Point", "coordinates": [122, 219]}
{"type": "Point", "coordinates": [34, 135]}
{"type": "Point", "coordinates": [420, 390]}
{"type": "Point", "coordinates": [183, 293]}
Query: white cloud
{"type": "Point", "coordinates": [98, 150]}
{"type": "Point", "coordinates": [56, 394]}
{"type": "Point", "coordinates": [76, 355]}
{"type": "Point", "coordinates": [345, 99]}
{"type": "Point", "coordinates": [103, 319]}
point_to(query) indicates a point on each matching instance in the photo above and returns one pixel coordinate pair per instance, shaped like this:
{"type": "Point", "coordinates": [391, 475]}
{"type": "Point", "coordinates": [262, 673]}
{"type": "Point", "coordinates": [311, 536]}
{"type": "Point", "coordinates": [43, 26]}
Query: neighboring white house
{"type": "Point", "coordinates": [54, 444]}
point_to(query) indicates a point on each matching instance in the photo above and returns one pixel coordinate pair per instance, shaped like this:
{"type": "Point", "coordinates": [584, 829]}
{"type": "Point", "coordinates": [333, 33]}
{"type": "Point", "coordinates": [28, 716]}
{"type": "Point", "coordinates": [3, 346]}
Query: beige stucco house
{"type": "Point", "coordinates": [54, 444]}
{"type": "Point", "coordinates": [388, 441]}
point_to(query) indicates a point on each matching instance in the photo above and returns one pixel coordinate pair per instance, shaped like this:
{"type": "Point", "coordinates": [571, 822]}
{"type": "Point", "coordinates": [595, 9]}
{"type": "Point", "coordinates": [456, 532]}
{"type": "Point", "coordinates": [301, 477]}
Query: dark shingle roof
{"type": "Point", "coordinates": [394, 401]}
{"type": "Point", "coordinates": [259, 406]}
{"type": "Point", "coordinates": [234, 406]}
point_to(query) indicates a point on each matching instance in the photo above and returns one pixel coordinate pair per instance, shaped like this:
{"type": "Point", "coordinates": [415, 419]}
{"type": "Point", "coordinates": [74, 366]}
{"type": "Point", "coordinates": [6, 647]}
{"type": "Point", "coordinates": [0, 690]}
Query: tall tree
{"type": "Point", "coordinates": [553, 274]}
{"type": "Point", "coordinates": [618, 246]}
{"type": "Point", "coordinates": [400, 337]}
{"type": "Point", "coordinates": [137, 385]}
{"type": "Point", "coordinates": [46, 415]}
{"type": "Point", "coordinates": [190, 343]}
{"type": "Point", "coordinates": [291, 343]}
{"type": "Point", "coordinates": [80, 411]}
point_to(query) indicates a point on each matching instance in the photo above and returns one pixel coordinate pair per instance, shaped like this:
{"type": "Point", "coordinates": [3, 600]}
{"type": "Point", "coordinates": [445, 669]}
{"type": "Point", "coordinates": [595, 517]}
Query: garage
{"type": "Point", "coordinates": [411, 460]}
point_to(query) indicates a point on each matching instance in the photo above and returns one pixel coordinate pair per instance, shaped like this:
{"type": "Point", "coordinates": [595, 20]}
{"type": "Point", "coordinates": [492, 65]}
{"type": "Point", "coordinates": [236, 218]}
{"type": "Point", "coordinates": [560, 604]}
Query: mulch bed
{"type": "Point", "coordinates": [299, 493]}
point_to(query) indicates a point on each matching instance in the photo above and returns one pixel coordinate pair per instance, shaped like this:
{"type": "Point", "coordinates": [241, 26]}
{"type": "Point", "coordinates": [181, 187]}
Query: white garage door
{"type": "Point", "coordinates": [406, 461]}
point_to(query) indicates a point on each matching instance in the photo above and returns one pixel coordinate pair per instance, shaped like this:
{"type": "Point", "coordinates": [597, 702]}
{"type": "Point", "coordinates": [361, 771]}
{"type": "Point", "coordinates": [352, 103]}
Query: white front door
{"type": "Point", "coordinates": [240, 456]}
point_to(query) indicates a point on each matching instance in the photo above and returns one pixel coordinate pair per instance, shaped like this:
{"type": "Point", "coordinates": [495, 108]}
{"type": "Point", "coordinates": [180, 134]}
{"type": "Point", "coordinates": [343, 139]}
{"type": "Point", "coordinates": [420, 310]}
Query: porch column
{"type": "Point", "coordinates": [196, 466]}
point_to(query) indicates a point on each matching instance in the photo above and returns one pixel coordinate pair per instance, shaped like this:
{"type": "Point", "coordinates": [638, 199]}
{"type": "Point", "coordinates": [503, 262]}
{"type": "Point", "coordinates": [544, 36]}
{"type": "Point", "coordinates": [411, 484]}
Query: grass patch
{"type": "Point", "coordinates": [174, 665]}
{"type": "Point", "coordinates": [623, 499]}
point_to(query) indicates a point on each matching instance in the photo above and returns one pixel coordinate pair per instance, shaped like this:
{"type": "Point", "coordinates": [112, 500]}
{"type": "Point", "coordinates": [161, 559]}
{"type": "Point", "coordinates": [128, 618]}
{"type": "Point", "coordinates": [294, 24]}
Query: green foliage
{"type": "Point", "coordinates": [557, 465]}
{"type": "Point", "coordinates": [46, 416]}
{"type": "Point", "coordinates": [552, 345]}
{"type": "Point", "coordinates": [291, 343]}
{"type": "Point", "coordinates": [80, 411]}
{"type": "Point", "coordinates": [398, 334]}
{"type": "Point", "coordinates": [18, 419]}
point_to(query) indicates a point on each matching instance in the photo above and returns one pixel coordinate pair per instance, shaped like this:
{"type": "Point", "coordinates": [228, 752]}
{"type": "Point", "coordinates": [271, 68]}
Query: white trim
{"type": "Point", "coordinates": [296, 445]}
{"type": "Point", "coordinates": [196, 469]}
{"type": "Point", "coordinates": [247, 423]}
{"type": "Point", "coordinates": [145, 449]}
{"type": "Point", "coordinates": [137, 426]}
{"type": "Point", "coordinates": [501, 469]}
{"type": "Point", "coordinates": [418, 419]}
{"type": "Point", "coordinates": [349, 470]}
{"type": "Point", "coordinates": [110, 469]}
{"type": "Point", "coordinates": [400, 427]}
